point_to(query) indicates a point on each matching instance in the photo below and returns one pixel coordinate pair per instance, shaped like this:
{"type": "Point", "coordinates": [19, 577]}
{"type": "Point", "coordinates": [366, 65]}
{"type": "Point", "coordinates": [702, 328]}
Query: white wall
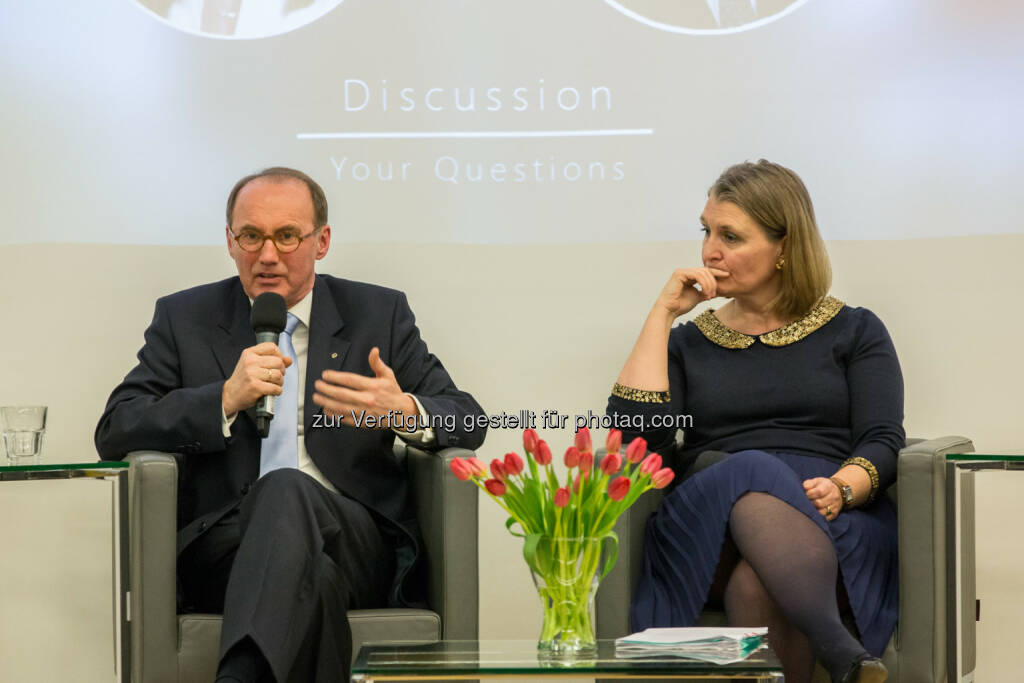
{"type": "Point", "coordinates": [535, 327]}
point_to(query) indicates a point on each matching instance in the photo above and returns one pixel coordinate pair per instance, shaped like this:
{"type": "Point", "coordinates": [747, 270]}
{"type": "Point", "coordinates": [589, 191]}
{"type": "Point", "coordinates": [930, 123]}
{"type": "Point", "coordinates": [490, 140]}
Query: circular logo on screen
{"type": "Point", "coordinates": [705, 17]}
{"type": "Point", "coordinates": [241, 19]}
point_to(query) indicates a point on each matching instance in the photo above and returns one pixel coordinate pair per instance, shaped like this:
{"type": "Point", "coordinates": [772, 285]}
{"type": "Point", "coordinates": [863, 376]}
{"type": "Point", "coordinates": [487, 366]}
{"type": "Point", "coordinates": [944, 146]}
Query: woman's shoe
{"type": "Point", "coordinates": [867, 670]}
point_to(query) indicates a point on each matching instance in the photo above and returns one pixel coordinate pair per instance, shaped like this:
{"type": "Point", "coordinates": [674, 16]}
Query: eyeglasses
{"type": "Point", "coordinates": [285, 239]}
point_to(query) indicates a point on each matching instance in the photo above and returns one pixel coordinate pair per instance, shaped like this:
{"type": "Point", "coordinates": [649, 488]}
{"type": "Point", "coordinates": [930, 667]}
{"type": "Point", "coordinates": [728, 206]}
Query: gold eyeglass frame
{"type": "Point", "coordinates": [272, 238]}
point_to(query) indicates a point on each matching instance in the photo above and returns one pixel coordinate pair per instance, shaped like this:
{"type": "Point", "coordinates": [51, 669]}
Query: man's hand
{"type": "Point", "coordinates": [343, 393]}
{"type": "Point", "coordinates": [825, 496]}
{"type": "Point", "coordinates": [259, 372]}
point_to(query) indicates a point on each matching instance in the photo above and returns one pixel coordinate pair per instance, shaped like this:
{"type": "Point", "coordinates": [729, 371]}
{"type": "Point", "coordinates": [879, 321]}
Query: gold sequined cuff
{"type": "Point", "coordinates": [640, 395]}
{"type": "Point", "coordinates": [872, 474]}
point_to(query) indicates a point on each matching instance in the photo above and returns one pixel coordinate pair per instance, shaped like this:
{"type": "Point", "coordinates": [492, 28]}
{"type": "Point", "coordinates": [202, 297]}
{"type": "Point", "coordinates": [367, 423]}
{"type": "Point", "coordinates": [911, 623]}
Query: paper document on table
{"type": "Point", "coordinates": [676, 636]}
{"type": "Point", "coordinates": [717, 645]}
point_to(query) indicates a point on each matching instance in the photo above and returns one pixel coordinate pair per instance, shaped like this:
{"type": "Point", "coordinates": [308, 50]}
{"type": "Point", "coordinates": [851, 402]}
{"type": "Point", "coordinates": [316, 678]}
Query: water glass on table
{"type": "Point", "coordinates": [23, 428]}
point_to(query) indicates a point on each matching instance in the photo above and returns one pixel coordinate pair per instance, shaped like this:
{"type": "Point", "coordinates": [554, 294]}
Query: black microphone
{"type": "Point", "coordinates": [268, 319]}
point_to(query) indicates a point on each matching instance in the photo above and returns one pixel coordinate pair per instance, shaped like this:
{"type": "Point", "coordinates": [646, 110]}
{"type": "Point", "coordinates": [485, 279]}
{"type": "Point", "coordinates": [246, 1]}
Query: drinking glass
{"type": "Point", "coordinates": [23, 428]}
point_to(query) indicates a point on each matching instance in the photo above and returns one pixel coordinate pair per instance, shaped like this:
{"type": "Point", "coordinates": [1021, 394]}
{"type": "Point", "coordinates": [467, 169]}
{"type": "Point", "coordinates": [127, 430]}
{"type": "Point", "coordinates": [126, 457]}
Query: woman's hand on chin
{"type": "Point", "coordinates": [686, 288]}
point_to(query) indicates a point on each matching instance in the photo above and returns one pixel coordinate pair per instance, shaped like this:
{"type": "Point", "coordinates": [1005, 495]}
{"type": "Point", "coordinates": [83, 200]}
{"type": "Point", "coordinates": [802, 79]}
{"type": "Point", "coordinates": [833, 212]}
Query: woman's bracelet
{"type": "Point", "coordinates": [640, 395]}
{"type": "Point", "coordinates": [869, 467]}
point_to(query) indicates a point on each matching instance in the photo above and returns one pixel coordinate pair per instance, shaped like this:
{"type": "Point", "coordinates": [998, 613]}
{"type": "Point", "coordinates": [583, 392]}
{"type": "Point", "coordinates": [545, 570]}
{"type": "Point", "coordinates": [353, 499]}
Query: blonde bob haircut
{"type": "Point", "coordinates": [778, 201]}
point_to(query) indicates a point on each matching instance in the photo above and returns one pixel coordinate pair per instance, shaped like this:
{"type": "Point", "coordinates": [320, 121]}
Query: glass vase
{"type": "Point", "coordinates": [566, 572]}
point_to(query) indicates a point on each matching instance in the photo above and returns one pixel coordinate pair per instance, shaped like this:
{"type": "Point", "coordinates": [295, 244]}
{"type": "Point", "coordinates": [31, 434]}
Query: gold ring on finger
{"type": "Point", "coordinates": [270, 374]}
{"type": "Point", "coordinates": [828, 510]}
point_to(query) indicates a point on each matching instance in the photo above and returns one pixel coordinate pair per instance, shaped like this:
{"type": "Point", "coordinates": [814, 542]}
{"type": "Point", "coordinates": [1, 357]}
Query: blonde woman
{"type": "Point", "coordinates": [805, 395]}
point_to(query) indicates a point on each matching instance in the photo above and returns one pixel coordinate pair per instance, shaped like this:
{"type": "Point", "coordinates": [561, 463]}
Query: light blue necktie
{"type": "Point", "coordinates": [281, 447]}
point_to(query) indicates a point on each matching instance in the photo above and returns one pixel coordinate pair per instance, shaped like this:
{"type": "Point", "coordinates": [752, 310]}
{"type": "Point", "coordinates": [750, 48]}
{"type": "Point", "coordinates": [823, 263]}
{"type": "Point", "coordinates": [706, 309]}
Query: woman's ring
{"type": "Point", "coordinates": [828, 510]}
{"type": "Point", "coordinates": [270, 374]}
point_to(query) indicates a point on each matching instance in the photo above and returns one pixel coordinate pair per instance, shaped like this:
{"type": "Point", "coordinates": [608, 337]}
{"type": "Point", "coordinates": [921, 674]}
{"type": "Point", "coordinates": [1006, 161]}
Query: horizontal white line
{"type": "Point", "coordinates": [477, 134]}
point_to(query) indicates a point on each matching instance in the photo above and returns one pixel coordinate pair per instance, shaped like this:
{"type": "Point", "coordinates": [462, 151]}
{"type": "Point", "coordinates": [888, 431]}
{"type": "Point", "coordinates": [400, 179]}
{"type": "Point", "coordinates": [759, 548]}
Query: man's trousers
{"type": "Point", "coordinates": [284, 565]}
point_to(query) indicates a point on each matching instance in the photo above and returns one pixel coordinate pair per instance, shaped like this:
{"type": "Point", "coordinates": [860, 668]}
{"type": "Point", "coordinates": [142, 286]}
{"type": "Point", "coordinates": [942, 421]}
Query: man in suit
{"type": "Point", "coordinates": [284, 534]}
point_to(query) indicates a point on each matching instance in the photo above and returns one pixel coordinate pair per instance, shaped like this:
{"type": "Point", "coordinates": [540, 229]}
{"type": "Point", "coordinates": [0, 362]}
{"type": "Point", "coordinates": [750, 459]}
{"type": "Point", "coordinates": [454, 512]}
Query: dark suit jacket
{"type": "Point", "coordinates": [171, 401]}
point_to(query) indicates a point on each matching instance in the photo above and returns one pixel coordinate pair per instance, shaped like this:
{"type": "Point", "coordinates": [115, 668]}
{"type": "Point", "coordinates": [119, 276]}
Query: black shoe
{"type": "Point", "coordinates": [866, 670]}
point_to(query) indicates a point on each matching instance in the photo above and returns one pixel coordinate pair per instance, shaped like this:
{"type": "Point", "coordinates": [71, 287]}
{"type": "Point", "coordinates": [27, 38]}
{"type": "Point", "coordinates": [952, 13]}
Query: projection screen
{"type": "Point", "coordinates": [517, 122]}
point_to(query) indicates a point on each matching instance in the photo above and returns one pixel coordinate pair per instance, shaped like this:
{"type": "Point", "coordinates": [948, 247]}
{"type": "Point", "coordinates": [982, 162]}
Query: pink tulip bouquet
{"type": "Point", "coordinates": [567, 523]}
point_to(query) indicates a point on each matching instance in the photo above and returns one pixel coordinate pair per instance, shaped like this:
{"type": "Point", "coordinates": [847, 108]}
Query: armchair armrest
{"type": "Point", "coordinates": [152, 506]}
{"type": "Point", "coordinates": [447, 512]}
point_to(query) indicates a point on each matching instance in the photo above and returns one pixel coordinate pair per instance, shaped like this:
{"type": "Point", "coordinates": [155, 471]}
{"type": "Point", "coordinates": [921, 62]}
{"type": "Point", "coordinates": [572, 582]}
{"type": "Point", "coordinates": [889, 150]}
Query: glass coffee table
{"type": "Point", "coordinates": [519, 659]}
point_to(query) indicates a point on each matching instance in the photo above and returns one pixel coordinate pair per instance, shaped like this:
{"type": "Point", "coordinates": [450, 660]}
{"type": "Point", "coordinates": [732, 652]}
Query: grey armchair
{"type": "Point", "coordinates": [917, 651]}
{"type": "Point", "coordinates": [172, 648]}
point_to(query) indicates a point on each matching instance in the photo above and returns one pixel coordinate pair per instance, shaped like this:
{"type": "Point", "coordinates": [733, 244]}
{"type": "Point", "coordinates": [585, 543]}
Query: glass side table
{"type": "Point", "coordinates": [49, 509]}
{"type": "Point", "coordinates": [961, 600]}
{"type": "Point", "coordinates": [519, 660]}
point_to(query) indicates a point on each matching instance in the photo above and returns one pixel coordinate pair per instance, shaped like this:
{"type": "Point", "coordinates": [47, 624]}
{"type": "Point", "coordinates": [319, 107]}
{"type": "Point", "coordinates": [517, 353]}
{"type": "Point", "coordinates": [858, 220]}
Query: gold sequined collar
{"type": "Point", "coordinates": [712, 328]}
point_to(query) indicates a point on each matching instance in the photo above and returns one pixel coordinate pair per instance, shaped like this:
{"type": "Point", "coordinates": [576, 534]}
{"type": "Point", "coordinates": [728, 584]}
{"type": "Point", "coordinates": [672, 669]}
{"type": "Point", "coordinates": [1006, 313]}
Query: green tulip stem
{"type": "Point", "coordinates": [567, 590]}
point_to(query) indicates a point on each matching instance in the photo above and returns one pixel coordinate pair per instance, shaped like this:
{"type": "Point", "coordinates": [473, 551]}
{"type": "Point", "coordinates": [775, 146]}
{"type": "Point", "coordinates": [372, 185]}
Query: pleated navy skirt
{"type": "Point", "coordinates": [684, 540]}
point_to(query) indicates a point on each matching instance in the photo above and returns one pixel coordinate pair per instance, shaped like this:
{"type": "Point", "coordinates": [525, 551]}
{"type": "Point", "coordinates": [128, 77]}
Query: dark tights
{"type": "Point", "coordinates": [782, 573]}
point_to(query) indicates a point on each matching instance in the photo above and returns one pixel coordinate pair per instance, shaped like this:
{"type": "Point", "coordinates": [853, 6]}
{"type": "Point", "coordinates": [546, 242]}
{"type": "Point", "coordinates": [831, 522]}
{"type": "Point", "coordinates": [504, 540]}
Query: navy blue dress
{"type": "Point", "coordinates": [788, 405]}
